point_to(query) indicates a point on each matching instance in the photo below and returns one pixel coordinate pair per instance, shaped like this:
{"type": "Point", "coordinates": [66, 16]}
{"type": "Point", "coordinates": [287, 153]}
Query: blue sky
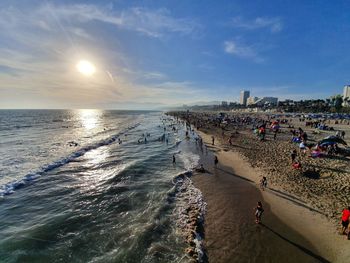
{"type": "Point", "coordinates": [154, 53]}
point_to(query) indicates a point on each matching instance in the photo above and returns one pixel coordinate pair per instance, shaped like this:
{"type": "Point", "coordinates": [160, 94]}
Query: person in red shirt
{"type": "Point", "coordinates": [345, 220]}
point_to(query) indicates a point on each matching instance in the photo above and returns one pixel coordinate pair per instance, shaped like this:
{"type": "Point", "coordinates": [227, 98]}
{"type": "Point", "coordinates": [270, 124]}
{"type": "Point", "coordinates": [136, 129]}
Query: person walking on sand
{"type": "Point", "coordinates": [258, 212]}
{"type": "Point", "coordinates": [345, 221]}
{"type": "Point", "coordinates": [212, 140]}
{"type": "Point", "coordinates": [216, 161]}
{"type": "Point", "coordinates": [263, 183]}
{"type": "Point", "coordinates": [293, 155]}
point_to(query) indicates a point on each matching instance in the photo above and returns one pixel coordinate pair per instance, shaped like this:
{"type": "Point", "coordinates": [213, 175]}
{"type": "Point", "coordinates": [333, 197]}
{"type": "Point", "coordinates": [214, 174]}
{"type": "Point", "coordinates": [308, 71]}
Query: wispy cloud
{"type": "Point", "coordinates": [154, 75]}
{"type": "Point", "coordinates": [43, 44]}
{"type": "Point", "coordinates": [274, 24]}
{"type": "Point", "coordinates": [237, 49]}
{"type": "Point", "coordinates": [152, 23]}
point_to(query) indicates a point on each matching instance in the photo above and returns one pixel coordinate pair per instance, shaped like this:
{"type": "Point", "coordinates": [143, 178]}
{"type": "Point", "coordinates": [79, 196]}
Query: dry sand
{"type": "Point", "coordinates": [292, 230]}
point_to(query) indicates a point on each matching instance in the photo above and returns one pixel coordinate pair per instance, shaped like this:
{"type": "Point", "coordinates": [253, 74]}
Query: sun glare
{"type": "Point", "coordinates": [86, 67]}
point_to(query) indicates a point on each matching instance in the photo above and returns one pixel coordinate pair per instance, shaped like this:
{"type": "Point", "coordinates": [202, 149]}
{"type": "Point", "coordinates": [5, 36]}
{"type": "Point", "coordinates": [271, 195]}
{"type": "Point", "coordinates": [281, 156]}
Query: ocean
{"type": "Point", "coordinates": [91, 186]}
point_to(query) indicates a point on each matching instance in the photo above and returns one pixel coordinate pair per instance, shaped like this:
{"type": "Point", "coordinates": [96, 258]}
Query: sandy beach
{"type": "Point", "coordinates": [301, 218]}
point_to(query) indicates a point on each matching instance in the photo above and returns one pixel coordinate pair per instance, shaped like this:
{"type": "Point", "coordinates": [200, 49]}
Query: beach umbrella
{"type": "Point", "coordinates": [334, 139]}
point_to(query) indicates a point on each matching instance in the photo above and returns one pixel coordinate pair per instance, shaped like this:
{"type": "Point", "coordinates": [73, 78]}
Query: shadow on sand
{"type": "Point", "coordinates": [238, 176]}
{"type": "Point", "coordinates": [294, 200]}
{"type": "Point", "coordinates": [327, 168]}
{"type": "Point", "coordinates": [278, 193]}
{"type": "Point", "coordinates": [304, 249]}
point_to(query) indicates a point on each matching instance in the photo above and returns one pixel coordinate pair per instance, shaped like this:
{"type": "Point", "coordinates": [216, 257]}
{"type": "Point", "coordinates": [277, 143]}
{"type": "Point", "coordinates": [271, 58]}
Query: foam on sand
{"type": "Point", "coordinates": [190, 209]}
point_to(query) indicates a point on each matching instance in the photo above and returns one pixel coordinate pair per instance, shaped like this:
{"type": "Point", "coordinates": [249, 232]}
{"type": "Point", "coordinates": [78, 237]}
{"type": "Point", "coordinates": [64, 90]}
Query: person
{"type": "Point", "coordinates": [200, 169]}
{"type": "Point", "coordinates": [302, 147]}
{"type": "Point", "coordinates": [293, 155]}
{"type": "Point", "coordinates": [337, 134]}
{"type": "Point", "coordinates": [230, 140]}
{"type": "Point", "coordinates": [296, 165]}
{"type": "Point", "coordinates": [262, 133]}
{"type": "Point", "coordinates": [212, 140]}
{"type": "Point", "coordinates": [216, 161]}
{"type": "Point", "coordinates": [174, 159]}
{"type": "Point", "coordinates": [345, 221]}
{"type": "Point", "coordinates": [258, 212]}
{"type": "Point", "coordinates": [304, 137]}
{"type": "Point", "coordinates": [263, 183]}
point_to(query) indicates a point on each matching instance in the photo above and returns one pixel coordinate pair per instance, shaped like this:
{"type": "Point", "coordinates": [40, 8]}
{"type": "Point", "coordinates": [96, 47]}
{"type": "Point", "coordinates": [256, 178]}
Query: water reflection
{"type": "Point", "coordinates": [89, 118]}
{"type": "Point", "coordinates": [96, 157]}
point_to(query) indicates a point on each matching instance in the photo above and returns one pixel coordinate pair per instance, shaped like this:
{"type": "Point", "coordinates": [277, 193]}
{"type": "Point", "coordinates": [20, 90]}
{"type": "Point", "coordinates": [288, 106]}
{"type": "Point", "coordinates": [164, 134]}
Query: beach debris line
{"type": "Point", "coordinates": [189, 210]}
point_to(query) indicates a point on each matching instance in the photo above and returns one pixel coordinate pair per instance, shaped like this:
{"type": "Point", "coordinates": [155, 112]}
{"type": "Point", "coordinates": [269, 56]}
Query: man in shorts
{"type": "Point", "coordinates": [345, 221]}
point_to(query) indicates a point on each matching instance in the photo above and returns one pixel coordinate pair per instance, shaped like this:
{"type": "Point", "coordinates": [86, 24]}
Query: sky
{"type": "Point", "coordinates": [150, 54]}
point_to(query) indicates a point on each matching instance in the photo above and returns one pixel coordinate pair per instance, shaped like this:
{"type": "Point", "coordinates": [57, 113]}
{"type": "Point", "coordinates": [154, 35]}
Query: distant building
{"type": "Point", "coordinates": [244, 96]}
{"type": "Point", "coordinates": [267, 101]}
{"type": "Point", "coordinates": [346, 96]}
{"type": "Point", "coordinates": [251, 100]}
{"type": "Point", "coordinates": [224, 103]}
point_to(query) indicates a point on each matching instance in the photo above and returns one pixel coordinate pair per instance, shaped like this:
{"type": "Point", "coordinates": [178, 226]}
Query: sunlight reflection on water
{"type": "Point", "coordinates": [89, 118]}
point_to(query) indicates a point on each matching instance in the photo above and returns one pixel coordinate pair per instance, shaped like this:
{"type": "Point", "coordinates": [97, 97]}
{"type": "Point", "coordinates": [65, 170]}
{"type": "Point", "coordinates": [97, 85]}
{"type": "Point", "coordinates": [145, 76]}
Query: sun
{"type": "Point", "coordinates": [86, 68]}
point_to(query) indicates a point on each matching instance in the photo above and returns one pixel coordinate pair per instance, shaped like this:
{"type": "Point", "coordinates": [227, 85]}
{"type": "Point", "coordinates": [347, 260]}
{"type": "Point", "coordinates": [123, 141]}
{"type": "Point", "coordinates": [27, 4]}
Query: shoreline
{"type": "Point", "coordinates": [294, 221]}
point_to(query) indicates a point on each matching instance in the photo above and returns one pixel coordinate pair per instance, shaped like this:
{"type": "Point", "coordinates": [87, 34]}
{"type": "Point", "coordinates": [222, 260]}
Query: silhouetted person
{"type": "Point", "coordinates": [216, 161]}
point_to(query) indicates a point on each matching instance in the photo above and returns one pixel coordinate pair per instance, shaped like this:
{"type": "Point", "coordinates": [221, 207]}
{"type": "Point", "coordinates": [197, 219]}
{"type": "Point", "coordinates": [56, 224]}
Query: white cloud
{"type": "Point", "coordinates": [239, 50]}
{"type": "Point", "coordinates": [274, 24]}
{"type": "Point", "coordinates": [48, 41]}
{"type": "Point", "coordinates": [152, 23]}
{"type": "Point", "coordinates": [154, 75]}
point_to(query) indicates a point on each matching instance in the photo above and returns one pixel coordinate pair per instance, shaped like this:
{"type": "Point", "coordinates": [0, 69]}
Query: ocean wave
{"type": "Point", "coordinates": [189, 159]}
{"type": "Point", "coordinates": [10, 187]}
{"type": "Point", "coordinates": [190, 209]}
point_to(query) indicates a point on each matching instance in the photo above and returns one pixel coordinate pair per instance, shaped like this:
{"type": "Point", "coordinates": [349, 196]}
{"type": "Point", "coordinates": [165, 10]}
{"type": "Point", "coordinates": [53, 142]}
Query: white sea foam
{"type": "Point", "coordinates": [189, 202]}
{"type": "Point", "coordinates": [10, 187]}
{"type": "Point", "coordinates": [189, 159]}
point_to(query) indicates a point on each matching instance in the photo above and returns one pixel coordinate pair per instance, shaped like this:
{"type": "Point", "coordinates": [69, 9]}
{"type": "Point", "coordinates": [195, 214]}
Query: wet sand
{"type": "Point", "coordinates": [231, 234]}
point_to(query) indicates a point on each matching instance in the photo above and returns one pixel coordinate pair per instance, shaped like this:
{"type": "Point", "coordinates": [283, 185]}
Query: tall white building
{"type": "Point", "coordinates": [244, 96]}
{"type": "Point", "coordinates": [347, 91]}
{"type": "Point", "coordinates": [346, 102]}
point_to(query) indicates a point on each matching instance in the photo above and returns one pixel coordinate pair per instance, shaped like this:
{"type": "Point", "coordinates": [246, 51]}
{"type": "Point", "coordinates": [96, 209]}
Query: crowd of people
{"type": "Point", "coordinates": [261, 125]}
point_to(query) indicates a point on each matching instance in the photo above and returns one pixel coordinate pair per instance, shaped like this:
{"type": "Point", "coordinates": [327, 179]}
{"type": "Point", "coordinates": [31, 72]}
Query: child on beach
{"type": "Point", "coordinates": [258, 212]}
{"type": "Point", "coordinates": [345, 221]}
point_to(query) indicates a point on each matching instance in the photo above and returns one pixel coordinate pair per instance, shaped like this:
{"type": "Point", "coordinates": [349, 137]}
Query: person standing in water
{"type": "Point", "coordinates": [174, 159]}
{"type": "Point", "coordinates": [258, 212]}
